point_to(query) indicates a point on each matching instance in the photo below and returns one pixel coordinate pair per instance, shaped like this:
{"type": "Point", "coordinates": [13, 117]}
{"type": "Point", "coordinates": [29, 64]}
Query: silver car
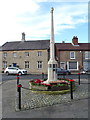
{"type": "Point", "coordinates": [60, 71]}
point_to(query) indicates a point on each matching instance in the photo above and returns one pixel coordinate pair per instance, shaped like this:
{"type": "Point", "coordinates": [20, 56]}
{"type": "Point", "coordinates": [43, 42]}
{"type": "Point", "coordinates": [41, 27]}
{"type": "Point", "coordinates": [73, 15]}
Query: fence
{"type": "Point", "coordinates": [20, 87]}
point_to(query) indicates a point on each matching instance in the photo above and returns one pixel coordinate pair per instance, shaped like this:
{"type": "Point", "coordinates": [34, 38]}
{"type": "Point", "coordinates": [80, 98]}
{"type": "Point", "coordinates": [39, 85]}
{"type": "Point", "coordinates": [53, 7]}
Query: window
{"type": "Point", "coordinates": [12, 68]}
{"type": "Point", "coordinates": [26, 64]}
{"type": "Point", "coordinates": [4, 54]}
{"type": "Point", "coordinates": [14, 54]}
{"type": "Point", "coordinates": [39, 64]}
{"type": "Point", "coordinates": [87, 55]}
{"type": "Point", "coordinates": [73, 65]}
{"type": "Point", "coordinates": [4, 64]}
{"type": "Point", "coordinates": [86, 65]}
{"type": "Point", "coordinates": [39, 53]}
{"type": "Point", "coordinates": [62, 65]}
{"type": "Point", "coordinates": [26, 54]}
{"type": "Point", "coordinates": [72, 55]}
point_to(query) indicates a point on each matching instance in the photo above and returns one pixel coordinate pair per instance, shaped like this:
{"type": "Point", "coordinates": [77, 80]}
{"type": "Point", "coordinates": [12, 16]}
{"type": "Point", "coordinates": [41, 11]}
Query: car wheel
{"type": "Point", "coordinates": [7, 73]}
{"type": "Point", "coordinates": [19, 73]}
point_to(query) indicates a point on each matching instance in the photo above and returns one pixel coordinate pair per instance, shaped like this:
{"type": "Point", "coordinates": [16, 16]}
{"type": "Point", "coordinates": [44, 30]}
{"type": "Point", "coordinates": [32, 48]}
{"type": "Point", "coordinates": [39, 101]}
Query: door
{"type": "Point", "coordinates": [14, 64]}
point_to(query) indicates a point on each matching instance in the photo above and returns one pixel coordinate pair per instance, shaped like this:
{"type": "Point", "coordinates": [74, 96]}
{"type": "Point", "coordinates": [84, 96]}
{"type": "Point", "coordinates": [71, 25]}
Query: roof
{"type": "Point", "coordinates": [42, 45]}
{"type": "Point", "coordinates": [26, 45]}
{"type": "Point", "coordinates": [69, 46]}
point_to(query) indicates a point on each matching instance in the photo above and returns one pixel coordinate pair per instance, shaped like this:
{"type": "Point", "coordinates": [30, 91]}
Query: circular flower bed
{"type": "Point", "coordinates": [59, 85]}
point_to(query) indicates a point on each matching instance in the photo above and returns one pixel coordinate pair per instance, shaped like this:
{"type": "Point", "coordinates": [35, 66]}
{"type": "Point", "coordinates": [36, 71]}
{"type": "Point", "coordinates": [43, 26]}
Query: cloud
{"type": "Point", "coordinates": [18, 6]}
{"type": "Point", "coordinates": [26, 16]}
{"type": "Point", "coordinates": [61, 0]}
{"type": "Point", "coordinates": [65, 17]}
{"type": "Point", "coordinates": [70, 16]}
{"type": "Point", "coordinates": [9, 12]}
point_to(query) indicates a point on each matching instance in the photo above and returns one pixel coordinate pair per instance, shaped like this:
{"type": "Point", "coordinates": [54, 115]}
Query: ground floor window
{"type": "Point", "coordinates": [73, 65]}
{"type": "Point", "coordinates": [39, 64]}
{"type": "Point", "coordinates": [27, 64]}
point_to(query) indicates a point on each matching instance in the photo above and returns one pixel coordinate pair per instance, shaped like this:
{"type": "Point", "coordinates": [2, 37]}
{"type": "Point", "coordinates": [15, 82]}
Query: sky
{"type": "Point", "coordinates": [34, 18]}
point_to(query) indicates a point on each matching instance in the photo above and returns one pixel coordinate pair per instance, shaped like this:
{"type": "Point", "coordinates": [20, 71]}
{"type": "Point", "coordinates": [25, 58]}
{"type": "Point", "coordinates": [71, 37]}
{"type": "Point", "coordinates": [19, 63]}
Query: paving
{"type": "Point", "coordinates": [42, 102]}
{"type": "Point", "coordinates": [33, 100]}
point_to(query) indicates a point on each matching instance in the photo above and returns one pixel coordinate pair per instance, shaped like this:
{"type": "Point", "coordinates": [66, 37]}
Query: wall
{"type": "Point", "coordinates": [33, 58]}
{"type": "Point", "coordinates": [64, 56]}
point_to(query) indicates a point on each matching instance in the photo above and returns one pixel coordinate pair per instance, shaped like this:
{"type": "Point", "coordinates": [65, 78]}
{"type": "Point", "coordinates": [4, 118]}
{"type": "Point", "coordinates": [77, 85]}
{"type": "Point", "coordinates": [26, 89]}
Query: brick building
{"type": "Point", "coordinates": [73, 56]}
{"type": "Point", "coordinates": [34, 55]}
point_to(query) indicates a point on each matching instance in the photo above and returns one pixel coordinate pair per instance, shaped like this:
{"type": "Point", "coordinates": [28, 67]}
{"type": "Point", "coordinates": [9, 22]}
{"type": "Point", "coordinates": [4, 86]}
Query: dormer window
{"type": "Point", "coordinates": [72, 55]}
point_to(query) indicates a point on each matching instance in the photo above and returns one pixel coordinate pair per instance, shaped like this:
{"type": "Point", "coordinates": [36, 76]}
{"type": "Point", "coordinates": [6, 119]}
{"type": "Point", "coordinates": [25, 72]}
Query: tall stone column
{"type": "Point", "coordinates": [52, 64]}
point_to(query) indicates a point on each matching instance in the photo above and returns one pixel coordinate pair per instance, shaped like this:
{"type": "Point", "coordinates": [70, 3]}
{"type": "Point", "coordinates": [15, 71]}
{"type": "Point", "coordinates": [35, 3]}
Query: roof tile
{"type": "Point", "coordinates": [26, 45]}
{"type": "Point", "coordinates": [70, 46]}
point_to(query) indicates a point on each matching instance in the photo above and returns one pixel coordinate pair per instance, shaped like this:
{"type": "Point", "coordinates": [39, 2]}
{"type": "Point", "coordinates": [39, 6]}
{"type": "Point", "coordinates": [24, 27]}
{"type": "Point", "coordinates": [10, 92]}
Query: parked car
{"type": "Point", "coordinates": [82, 72]}
{"type": "Point", "coordinates": [62, 71]}
{"type": "Point", "coordinates": [15, 70]}
{"type": "Point", "coordinates": [88, 71]}
{"type": "Point", "coordinates": [85, 71]}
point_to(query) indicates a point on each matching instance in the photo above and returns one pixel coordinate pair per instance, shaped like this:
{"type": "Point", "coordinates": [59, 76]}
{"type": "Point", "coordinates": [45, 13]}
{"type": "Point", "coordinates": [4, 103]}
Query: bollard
{"type": "Point", "coordinates": [71, 88]}
{"type": "Point", "coordinates": [19, 98]}
{"type": "Point", "coordinates": [17, 81]}
{"type": "Point", "coordinates": [17, 78]}
{"type": "Point", "coordinates": [64, 76]}
{"type": "Point", "coordinates": [79, 78]}
{"type": "Point", "coordinates": [42, 75]}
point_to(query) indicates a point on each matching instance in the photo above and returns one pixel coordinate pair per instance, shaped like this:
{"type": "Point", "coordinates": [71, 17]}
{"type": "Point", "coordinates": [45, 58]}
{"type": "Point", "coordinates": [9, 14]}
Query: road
{"type": "Point", "coordinates": [4, 77]}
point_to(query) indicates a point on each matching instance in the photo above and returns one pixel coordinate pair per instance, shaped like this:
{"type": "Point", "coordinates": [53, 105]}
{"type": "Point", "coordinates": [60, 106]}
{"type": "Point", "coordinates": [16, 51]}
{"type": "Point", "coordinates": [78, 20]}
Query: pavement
{"type": "Point", "coordinates": [76, 108]}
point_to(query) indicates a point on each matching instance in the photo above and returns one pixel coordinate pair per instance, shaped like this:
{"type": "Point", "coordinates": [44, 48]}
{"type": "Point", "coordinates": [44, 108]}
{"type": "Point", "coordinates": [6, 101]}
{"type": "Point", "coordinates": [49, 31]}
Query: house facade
{"type": "Point", "coordinates": [34, 55]}
{"type": "Point", "coordinates": [73, 56]}
{"type": "Point", "coordinates": [30, 55]}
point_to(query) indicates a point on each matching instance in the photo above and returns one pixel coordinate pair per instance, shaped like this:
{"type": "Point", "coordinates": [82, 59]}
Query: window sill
{"type": "Point", "coordinates": [72, 58]}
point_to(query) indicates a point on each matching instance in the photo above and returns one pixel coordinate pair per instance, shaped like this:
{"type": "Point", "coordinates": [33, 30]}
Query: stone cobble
{"type": "Point", "coordinates": [33, 100]}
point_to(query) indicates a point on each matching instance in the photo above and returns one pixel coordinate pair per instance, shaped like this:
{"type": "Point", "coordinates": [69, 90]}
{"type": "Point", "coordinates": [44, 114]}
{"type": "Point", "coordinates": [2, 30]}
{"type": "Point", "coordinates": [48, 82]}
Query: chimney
{"type": "Point", "coordinates": [63, 41]}
{"type": "Point", "coordinates": [75, 41]}
{"type": "Point", "coordinates": [23, 36]}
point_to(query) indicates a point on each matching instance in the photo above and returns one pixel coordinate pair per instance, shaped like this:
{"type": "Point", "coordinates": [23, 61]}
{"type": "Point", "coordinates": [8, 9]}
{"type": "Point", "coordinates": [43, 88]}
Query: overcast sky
{"type": "Point", "coordinates": [33, 18]}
